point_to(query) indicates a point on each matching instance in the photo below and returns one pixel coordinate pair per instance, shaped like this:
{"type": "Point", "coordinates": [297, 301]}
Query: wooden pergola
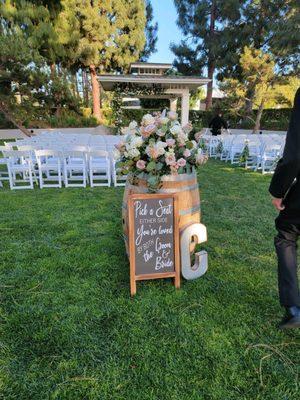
{"type": "Point", "coordinates": [154, 74]}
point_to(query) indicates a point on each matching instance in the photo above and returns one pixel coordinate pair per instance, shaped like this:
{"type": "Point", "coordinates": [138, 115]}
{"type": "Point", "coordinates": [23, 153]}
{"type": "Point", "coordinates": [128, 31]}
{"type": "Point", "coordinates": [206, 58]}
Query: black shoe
{"type": "Point", "coordinates": [291, 319]}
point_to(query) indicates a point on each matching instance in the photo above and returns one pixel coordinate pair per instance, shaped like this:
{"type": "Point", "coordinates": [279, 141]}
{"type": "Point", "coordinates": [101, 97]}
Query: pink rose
{"type": "Point", "coordinates": [170, 142]}
{"type": "Point", "coordinates": [186, 153]}
{"type": "Point", "coordinates": [181, 162]}
{"type": "Point", "coordinates": [172, 115]}
{"type": "Point", "coordinates": [170, 159]}
{"type": "Point", "coordinates": [146, 131]}
{"type": "Point", "coordinates": [141, 164]}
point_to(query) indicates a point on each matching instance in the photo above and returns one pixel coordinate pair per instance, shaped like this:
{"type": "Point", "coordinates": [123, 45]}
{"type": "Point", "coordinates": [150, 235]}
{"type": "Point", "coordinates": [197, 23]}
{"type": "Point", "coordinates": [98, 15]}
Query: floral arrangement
{"type": "Point", "coordinates": [245, 153]}
{"type": "Point", "coordinates": [158, 147]}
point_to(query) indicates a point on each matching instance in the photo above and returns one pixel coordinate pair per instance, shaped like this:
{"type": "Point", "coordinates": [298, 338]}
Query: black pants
{"type": "Point", "coordinates": [286, 249]}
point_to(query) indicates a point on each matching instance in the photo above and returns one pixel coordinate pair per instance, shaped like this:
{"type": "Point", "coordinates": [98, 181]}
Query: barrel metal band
{"type": "Point", "coordinates": [167, 190]}
{"type": "Point", "coordinates": [190, 210]}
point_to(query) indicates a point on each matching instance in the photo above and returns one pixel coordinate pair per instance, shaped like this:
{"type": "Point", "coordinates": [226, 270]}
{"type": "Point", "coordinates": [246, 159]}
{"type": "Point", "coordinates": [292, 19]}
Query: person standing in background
{"type": "Point", "coordinates": [285, 189]}
{"type": "Point", "coordinates": [217, 123]}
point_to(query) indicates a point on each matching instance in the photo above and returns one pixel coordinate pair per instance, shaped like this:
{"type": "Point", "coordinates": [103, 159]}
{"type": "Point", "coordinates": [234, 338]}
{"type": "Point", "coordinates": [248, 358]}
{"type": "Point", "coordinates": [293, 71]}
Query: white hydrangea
{"type": "Point", "coordinates": [133, 125]}
{"type": "Point", "coordinates": [132, 153]}
{"type": "Point", "coordinates": [136, 141]}
{"type": "Point", "coordinates": [176, 130]}
{"type": "Point", "coordinates": [163, 120]}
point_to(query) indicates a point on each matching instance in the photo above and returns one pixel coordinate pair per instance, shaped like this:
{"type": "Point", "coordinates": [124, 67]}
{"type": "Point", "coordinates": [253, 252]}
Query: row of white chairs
{"type": "Point", "coordinates": [264, 151]}
{"type": "Point", "coordinates": [74, 167]}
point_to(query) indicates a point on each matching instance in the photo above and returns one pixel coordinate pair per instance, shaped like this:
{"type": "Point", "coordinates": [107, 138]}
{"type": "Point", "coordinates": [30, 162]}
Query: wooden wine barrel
{"type": "Point", "coordinates": [187, 189]}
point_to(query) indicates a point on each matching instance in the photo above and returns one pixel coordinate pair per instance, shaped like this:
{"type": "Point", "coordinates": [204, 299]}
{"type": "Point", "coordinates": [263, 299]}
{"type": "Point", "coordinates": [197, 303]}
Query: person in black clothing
{"type": "Point", "coordinates": [285, 189]}
{"type": "Point", "coordinates": [217, 123]}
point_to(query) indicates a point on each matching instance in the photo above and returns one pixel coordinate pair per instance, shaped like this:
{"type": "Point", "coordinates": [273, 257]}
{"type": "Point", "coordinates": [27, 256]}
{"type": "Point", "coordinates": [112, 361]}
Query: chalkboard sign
{"type": "Point", "coordinates": [153, 238]}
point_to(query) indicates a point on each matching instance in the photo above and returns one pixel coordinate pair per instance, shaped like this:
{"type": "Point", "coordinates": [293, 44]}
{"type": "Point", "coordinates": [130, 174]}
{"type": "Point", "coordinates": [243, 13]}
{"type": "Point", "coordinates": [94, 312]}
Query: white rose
{"type": "Point", "coordinates": [160, 133]}
{"type": "Point", "coordinates": [161, 144]}
{"type": "Point", "coordinates": [161, 151]}
{"type": "Point", "coordinates": [148, 119]}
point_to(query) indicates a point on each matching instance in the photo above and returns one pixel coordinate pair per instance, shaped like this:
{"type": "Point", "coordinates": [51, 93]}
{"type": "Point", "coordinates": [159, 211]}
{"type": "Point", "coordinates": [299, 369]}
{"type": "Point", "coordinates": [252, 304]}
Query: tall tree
{"type": "Point", "coordinates": [21, 80]}
{"type": "Point", "coordinates": [264, 25]}
{"type": "Point", "coordinates": [151, 30]}
{"type": "Point", "coordinates": [216, 33]}
{"type": "Point", "coordinates": [258, 77]}
{"type": "Point", "coordinates": [202, 23]}
{"type": "Point", "coordinates": [105, 35]}
{"type": "Point", "coordinates": [28, 46]}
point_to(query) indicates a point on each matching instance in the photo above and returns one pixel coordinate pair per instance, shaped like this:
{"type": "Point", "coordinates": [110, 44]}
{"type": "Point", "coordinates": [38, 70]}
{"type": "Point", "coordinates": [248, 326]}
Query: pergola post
{"type": "Point", "coordinates": [185, 106]}
{"type": "Point", "coordinates": [173, 104]}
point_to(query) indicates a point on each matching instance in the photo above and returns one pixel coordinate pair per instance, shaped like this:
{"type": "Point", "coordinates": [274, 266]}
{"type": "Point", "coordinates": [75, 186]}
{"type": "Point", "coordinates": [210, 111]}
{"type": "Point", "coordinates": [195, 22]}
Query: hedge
{"type": "Point", "coordinates": [65, 120]}
{"type": "Point", "coordinates": [272, 119]}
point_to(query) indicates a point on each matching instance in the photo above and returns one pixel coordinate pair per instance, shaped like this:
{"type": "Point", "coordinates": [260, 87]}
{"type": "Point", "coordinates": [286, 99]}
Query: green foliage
{"type": "Point", "coordinates": [106, 34]}
{"type": "Point", "coordinates": [129, 90]}
{"type": "Point", "coordinates": [277, 119]}
{"type": "Point", "coordinates": [159, 104]}
{"type": "Point", "coordinates": [27, 90]}
{"type": "Point", "coordinates": [272, 119]}
{"type": "Point", "coordinates": [201, 44]}
{"type": "Point", "coordinates": [71, 120]}
{"type": "Point", "coordinates": [70, 330]}
{"type": "Point", "coordinates": [245, 155]}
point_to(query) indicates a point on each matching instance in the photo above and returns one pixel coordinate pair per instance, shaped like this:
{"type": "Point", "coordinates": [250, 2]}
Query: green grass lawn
{"type": "Point", "coordinates": [69, 329]}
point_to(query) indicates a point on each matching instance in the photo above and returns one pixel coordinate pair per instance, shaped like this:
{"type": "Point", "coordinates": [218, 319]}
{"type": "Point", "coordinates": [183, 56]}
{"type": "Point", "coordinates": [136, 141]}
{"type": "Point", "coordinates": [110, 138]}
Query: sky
{"type": "Point", "coordinates": [165, 14]}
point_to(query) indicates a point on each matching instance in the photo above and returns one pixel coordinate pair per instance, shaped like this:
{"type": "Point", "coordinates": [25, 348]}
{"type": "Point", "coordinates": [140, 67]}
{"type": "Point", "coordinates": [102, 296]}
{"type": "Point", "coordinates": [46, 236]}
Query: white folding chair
{"type": "Point", "coordinates": [4, 176]}
{"type": "Point", "coordinates": [20, 169]}
{"type": "Point", "coordinates": [237, 148]}
{"type": "Point", "coordinates": [213, 144]}
{"type": "Point", "coordinates": [75, 164]}
{"type": "Point", "coordinates": [49, 165]}
{"type": "Point", "coordinates": [99, 168]}
{"type": "Point", "coordinates": [119, 180]}
{"type": "Point", "coordinates": [227, 144]}
{"type": "Point", "coordinates": [254, 155]}
{"type": "Point", "coordinates": [270, 156]}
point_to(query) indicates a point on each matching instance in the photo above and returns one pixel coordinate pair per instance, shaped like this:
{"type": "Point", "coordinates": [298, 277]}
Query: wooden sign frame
{"type": "Point", "coordinates": [131, 238]}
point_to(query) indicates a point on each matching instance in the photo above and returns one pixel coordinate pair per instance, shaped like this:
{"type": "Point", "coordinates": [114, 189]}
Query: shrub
{"type": "Point", "coordinates": [67, 119]}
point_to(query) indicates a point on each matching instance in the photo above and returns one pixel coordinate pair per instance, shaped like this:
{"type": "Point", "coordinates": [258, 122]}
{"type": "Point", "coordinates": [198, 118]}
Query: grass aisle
{"type": "Point", "coordinates": [69, 329]}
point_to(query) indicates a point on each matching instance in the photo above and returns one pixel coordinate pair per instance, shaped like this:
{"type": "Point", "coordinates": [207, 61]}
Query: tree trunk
{"type": "Point", "coordinates": [258, 116]}
{"type": "Point", "coordinates": [52, 70]}
{"type": "Point", "coordinates": [9, 117]}
{"type": "Point", "coordinates": [249, 101]}
{"type": "Point", "coordinates": [208, 100]}
{"type": "Point", "coordinates": [85, 87]}
{"type": "Point", "coordinates": [211, 57]}
{"type": "Point", "coordinates": [96, 94]}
